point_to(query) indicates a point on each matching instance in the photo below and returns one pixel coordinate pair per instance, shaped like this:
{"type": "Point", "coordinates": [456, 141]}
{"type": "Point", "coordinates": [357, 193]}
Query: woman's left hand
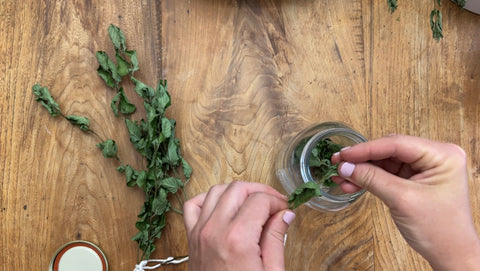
{"type": "Point", "coordinates": [237, 226]}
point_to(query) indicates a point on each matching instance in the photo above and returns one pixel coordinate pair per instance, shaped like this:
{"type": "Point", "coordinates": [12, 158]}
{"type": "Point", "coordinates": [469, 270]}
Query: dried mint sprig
{"type": "Point", "coordinates": [435, 16]}
{"type": "Point", "coordinates": [167, 171]}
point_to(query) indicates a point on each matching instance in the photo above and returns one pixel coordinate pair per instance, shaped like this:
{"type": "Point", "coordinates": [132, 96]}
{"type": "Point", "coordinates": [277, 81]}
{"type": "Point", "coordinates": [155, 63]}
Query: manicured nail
{"type": "Point", "coordinates": [288, 217]}
{"type": "Point", "coordinates": [346, 170]}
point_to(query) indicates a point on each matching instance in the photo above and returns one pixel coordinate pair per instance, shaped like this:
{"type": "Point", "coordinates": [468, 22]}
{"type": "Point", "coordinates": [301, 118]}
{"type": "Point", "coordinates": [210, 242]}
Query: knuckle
{"type": "Point", "coordinates": [459, 151]}
{"type": "Point", "coordinates": [237, 184]}
{"type": "Point", "coordinates": [188, 205]}
{"type": "Point", "coordinates": [276, 235]}
{"type": "Point", "coordinates": [258, 197]}
{"type": "Point", "coordinates": [235, 240]}
{"type": "Point", "coordinates": [206, 235]}
{"type": "Point", "coordinates": [368, 175]}
{"type": "Point", "coordinates": [215, 189]}
{"type": "Point", "coordinates": [456, 154]}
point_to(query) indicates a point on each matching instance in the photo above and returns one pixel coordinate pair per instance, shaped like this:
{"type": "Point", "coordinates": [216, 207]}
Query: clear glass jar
{"type": "Point", "coordinates": [293, 168]}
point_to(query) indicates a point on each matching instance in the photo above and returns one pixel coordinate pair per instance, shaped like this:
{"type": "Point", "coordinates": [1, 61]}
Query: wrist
{"type": "Point", "coordinates": [465, 259]}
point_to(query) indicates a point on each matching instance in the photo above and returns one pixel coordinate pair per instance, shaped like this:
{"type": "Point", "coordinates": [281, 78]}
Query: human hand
{"type": "Point", "coordinates": [425, 185]}
{"type": "Point", "coordinates": [237, 226]}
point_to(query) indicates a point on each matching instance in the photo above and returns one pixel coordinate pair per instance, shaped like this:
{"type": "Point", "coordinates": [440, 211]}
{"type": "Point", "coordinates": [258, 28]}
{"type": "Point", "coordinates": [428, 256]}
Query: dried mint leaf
{"type": "Point", "coordinates": [109, 148]}
{"type": "Point", "coordinates": [82, 122]}
{"type": "Point", "coordinates": [436, 24]}
{"type": "Point", "coordinates": [117, 37]}
{"type": "Point", "coordinates": [461, 3]}
{"type": "Point", "coordinates": [392, 5]}
{"type": "Point", "coordinates": [45, 98]}
{"type": "Point", "coordinates": [303, 194]}
{"type": "Point", "coordinates": [121, 102]}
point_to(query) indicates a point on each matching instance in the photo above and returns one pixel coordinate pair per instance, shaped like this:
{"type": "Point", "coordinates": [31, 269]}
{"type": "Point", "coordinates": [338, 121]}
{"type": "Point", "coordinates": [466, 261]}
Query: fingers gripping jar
{"type": "Point", "coordinates": [294, 166]}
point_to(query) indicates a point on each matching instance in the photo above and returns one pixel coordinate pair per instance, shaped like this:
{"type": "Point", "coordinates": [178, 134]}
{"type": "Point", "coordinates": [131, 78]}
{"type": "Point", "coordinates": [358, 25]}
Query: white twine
{"type": "Point", "coordinates": [143, 265]}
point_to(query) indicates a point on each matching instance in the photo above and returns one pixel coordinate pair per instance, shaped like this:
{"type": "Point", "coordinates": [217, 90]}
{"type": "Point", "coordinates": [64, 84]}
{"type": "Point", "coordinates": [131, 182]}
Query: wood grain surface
{"type": "Point", "coordinates": [245, 76]}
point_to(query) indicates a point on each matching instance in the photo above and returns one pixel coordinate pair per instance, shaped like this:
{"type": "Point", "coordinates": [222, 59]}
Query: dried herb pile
{"type": "Point", "coordinates": [166, 171]}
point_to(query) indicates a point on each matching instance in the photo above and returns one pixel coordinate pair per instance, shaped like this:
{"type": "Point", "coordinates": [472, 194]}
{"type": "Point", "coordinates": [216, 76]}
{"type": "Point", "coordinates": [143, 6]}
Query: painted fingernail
{"type": "Point", "coordinates": [288, 217]}
{"type": "Point", "coordinates": [346, 170]}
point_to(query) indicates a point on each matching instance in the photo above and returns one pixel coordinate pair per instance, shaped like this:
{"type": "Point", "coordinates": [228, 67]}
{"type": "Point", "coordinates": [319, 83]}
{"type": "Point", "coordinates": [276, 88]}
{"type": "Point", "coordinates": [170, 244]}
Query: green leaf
{"type": "Point", "coordinates": [117, 37]}
{"type": "Point", "coordinates": [44, 97]}
{"type": "Point", "coordinates": [151, 113]}
{"type": "Point", "coordinates": [126, 107]}
{"type": "Point", "coordinates": [106, 76]}
{"type": "Point", "coordinates": [109, 148]}
{"type": "Point", "coordinates": [133, 59]}
{"type": "Point", "coordinates": [172, 153]}
{"type": "Point", "coordinates": [108, 67]}
{"type": "Point", "coordinates": [187, 170]}
{"type": "Point", "coordinates": [121, 169]}
{"type": "Point", "coordinates": [162, 99]}
{"type": "Point", "coordinates": [114, 104]}
{"type": "Point", "coordinates": [461, 3]}
{"type": "Point", "coordinates": [143, 90]}
{"type": "Point", "coordinates": [134, 131]}
{"type": "Point", "coordinates": [142, 179]}
{"type": "Point", "coordinates": [303, 194]}
{"type": "Point", "coordinates": [171, 184]}
{"type": "Point", "coordinates": [160, 202]}
{"type": "Point", "coordinates": [82, 122]}
{"type": "Point", "coordinates": [436, 24]}
{"type": "Point", "coordinates": [120, 101]}
{"type": "Point", "coordinates": [130, 175]}
{"type": "Point", "coordinates": [122, 65]}
{"type": "Point", "coordinates": [166, 127]}
{"type": "Point", "coordinates": [392, 5]}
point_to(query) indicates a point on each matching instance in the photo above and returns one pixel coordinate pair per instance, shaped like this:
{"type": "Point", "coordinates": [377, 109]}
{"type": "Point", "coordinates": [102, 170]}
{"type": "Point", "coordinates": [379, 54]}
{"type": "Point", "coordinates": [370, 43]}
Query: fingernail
{"type": "Point", "coordinates": [336, 154]}
{"type": "Point", "coordinates": [345, 148]}
{"type": "Point", "coordinates": [288, 217]}
{"type": "Point", "coordinates": [346, 170]}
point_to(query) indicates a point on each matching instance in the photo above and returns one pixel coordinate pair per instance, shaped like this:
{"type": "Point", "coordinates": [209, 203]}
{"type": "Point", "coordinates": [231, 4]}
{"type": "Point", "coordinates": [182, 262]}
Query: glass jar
{"type": "Point", "coordinates": [293, 166]}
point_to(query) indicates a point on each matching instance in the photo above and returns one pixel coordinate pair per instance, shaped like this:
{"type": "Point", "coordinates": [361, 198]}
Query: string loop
{"type": "Point", "coordinates": [143, 265]}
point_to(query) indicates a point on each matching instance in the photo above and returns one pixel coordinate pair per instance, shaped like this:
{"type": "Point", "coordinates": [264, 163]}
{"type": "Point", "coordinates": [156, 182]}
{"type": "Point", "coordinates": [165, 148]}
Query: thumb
{"type": "Point", "coordinates": [374, 179]}
{"type": "Point", "coordinates": [272, 240]}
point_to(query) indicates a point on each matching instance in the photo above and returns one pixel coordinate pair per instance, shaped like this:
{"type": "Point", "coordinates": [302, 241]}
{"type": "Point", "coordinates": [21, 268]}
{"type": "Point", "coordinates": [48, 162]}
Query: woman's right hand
{"type": "Point", "coordinates": [425, 185]}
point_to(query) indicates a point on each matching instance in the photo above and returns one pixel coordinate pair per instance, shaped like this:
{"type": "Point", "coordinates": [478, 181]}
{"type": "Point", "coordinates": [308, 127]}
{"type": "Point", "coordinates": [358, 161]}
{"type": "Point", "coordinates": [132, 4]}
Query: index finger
{"type": "Point", "coordinates": [234, 197]}
{"type": "Point", "coordinates": [191, 211]}
{"type": "Point", "coordinates": [407, 149]}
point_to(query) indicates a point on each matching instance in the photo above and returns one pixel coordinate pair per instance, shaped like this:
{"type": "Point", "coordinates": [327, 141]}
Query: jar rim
{"type": "Point", "coordinates": [307, 150]}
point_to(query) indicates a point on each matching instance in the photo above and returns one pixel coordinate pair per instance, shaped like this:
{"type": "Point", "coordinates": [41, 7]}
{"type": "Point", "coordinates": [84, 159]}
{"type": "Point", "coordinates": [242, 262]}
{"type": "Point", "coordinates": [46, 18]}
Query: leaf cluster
{"type": "Point", "coordinates": [153, 137]}
{"type": "Point", "coordinates": [166, 172]}
{"type": "Point", "coordinates": [321, 168]}
{"type": "Point", "coordinates": [320, 165]}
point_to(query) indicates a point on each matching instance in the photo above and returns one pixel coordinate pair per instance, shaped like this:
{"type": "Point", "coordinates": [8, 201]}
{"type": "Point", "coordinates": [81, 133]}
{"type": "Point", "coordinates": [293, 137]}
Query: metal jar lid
{"type": "Point", "coordinates": [78, 256]}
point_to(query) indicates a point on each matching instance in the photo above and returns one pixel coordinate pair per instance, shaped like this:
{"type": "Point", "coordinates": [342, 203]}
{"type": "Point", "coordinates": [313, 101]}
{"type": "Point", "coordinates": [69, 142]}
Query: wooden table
{"type": "Point", "coordinates": [244, 77]}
